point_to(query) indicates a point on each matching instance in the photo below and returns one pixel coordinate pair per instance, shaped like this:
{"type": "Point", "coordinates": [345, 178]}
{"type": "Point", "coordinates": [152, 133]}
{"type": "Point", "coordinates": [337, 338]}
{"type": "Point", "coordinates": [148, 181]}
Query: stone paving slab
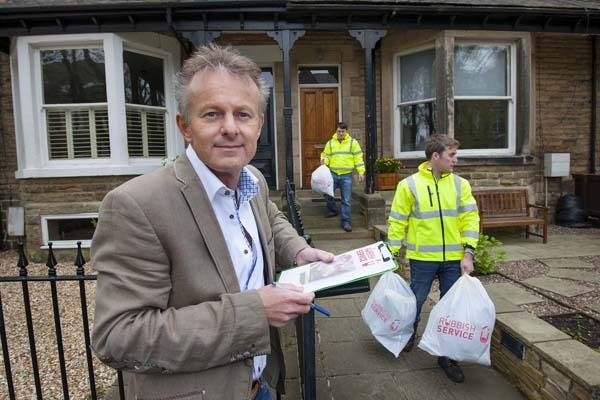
{"type": "Point", "coordinates": [342, 329]}
{"type": "Point", "coordinates": [513, 293]}
{"type": "Point", "coordinates": [595, 307]}
{"type": "Point", "coordinates": [530, 328]}
{"type": "Point", "coordinates": [574, 274]}
{"type": "Point", "coordinates": [559, 286]}
{"type": "Point", "coordinates": [381, 386]}
{"type": "Point", "coordinates": [566, 263]}
{"type": "Point", "coordinates": [578, 358]}
{"type": "Point", "coordinates": [345, 358]}
{"type": "Point", "coordinates": [504, 305]}
{"type": "Point", "coordinates": [338, 307]}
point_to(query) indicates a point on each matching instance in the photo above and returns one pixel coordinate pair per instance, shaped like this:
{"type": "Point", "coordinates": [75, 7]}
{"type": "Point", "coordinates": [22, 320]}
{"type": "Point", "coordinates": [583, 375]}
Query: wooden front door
{"type": "Point", "coordinates": [319, 118]}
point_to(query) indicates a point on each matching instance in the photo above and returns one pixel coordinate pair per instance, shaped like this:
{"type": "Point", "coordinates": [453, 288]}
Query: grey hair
{"type": "Point", "coordinates": [214, 57]}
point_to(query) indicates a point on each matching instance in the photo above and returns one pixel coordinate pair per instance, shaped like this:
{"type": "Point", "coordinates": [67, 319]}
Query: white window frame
{"type": "Point", "coordinates": [397, 79]}
{"type": "Point", "coordinates": [511, 97]}
{"type": "Point", "coordinates": [64, 244]}
{"type": "Point", "coordinates": [30, 125]}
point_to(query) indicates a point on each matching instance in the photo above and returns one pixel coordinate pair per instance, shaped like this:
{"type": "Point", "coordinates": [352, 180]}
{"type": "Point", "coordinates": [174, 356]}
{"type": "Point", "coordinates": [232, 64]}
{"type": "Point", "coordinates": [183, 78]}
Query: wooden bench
{"type": "Point", "coordinates": [510, 207]}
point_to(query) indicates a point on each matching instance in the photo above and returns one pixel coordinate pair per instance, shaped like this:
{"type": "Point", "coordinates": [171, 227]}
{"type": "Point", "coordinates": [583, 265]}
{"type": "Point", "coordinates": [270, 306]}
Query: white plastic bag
{"type": "Point", "coordinates": [321, 180]}
{"type": "Point", "coordinates": [390, 312]}
{"type": "Point", "coordinates": [460, 326]}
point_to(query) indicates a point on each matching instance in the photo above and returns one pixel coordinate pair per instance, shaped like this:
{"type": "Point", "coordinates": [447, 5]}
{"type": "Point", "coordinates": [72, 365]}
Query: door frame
{"type": "Point", "coordinates": [338, 86]}
{"type": "Point", "coordinates": [273, 87]}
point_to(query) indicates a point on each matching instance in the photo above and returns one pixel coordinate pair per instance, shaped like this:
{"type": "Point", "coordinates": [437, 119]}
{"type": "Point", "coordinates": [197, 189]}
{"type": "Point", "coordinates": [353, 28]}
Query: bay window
{"type": "Point", "coordinates": [416, 99]}
{"type": "Point", "coordinates": [483, 96]}
{"type": "Point", "coordinates": [94, 104]}
{"type": "Point", "coordinates": [480, 79]}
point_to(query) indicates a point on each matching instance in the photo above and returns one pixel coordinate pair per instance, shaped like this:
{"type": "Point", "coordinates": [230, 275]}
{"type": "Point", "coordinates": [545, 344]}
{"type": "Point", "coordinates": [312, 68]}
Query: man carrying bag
{"type": "Point", "coordinates": [443, 228]}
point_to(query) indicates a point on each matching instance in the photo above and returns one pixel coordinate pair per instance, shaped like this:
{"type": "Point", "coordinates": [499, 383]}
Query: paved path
{"type": "Point", "coordinates": [351, 364]}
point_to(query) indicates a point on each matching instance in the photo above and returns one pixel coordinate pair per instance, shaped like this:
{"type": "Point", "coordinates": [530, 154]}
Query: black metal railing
{"type": "Point", "coordinates": [305, 326]}
{"type": "Point", "coordinates": [54, 280]}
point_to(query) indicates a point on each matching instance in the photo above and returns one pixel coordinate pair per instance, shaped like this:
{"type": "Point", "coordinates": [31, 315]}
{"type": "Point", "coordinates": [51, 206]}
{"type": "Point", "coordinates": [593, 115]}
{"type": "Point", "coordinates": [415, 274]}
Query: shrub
{"type": "Point", "coordinates": [487, 254]}
{"type": "Point", "coordinates": [387, 164]}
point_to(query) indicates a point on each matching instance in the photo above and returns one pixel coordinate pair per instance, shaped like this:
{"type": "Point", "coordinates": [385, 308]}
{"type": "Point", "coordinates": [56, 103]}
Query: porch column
{"type": "Point", "coordinates": [368, 39]}
{"type": "Point", "coordinates": [285, 39]}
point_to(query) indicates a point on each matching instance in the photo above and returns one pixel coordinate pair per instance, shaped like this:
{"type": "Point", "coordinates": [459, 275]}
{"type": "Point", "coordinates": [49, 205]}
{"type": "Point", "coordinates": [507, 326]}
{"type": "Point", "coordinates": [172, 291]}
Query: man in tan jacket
{"type": "Point", "coordinates": [185, 255]}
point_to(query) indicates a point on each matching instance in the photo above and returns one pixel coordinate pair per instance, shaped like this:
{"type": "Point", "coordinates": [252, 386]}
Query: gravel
{"type": "Point", "coordinates": [45, 338]}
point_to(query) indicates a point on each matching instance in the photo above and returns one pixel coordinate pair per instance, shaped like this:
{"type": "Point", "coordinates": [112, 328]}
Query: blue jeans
{"type": "Point", "coordinates": [422, 274]}
{"type": "Point", "coordinates": [344, 182]}
{"type": "Point", "coordinates": [263, 392]}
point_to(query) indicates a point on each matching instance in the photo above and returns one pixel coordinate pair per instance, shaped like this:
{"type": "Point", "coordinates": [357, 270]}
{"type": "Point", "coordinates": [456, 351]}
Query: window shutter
{"type": "Point", "coordinates": [78, 132]}
{"type": "Point", "coordinates": [145, 132]}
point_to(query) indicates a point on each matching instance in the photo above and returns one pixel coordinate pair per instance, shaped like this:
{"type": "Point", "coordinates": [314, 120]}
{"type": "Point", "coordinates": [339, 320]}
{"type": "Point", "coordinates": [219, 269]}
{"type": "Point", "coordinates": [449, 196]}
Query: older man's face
{"type": "Point", "coordinates": [224, 122]}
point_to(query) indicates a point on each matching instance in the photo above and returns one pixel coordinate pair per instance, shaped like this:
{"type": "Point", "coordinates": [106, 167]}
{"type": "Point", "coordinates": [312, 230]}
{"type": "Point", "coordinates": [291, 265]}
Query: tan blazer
{"type": "Point", "coordinates": [168, 305]}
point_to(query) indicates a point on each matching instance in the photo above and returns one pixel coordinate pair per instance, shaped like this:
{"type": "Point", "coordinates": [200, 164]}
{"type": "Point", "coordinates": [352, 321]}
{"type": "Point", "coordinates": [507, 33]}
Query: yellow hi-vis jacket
{"type": "Point", "coordinates": [442, 216]}
{"type": "Point", "coordinates": [343, 157]}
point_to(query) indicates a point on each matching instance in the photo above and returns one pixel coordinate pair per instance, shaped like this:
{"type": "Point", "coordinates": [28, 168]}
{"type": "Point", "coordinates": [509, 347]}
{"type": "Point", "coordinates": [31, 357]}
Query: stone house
{"type": "Point", "coordinates": [86, 99]}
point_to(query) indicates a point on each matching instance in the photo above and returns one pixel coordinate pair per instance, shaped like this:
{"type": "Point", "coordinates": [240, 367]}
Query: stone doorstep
{"type": "Point", "coordinates": [560, 355]}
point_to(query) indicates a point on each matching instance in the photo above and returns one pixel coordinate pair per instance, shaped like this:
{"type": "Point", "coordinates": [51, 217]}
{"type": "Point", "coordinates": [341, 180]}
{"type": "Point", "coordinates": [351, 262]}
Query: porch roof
{"type": "Point", "coordinates": [27, 17]}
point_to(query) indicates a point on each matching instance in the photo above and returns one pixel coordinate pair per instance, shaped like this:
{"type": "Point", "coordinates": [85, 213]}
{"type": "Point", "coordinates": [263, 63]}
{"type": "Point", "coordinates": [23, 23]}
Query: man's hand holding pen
{"type": "Point", "coordinates": [284, 303]}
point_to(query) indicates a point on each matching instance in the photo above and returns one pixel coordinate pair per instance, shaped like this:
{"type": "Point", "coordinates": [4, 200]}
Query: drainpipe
{"type": "Point", "coordinates": [593, 131]}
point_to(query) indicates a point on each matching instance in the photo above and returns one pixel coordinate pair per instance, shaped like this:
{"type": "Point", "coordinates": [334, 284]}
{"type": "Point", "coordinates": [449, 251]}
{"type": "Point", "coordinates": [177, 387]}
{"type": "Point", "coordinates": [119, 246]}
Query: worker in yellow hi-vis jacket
{"type": "Point", "coordinates": [342, 154]}
{"type": "Point", "coordinates": [441, 215]}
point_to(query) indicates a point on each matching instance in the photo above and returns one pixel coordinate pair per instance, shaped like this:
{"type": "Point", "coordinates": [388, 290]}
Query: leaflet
{"type": "Point", "coordinates": [364, 262]}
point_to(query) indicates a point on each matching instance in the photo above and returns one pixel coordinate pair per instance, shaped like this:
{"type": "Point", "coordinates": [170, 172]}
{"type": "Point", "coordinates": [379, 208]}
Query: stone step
{"type": "Point", "coordinates": [319, 221]}
{"type": "Point", "coordinates": [338, 233]}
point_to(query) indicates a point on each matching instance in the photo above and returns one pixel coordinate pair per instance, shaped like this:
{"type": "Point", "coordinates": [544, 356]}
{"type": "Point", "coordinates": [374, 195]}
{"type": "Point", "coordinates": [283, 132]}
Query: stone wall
{"type": "Point", "coordinates": [563, 105]}
{"type": "Point", "coordinates": [9, 192]}
{"type": "Point", "coordinates": [546, 372]}
{"type": "Point", "coordinates": [60, 196]}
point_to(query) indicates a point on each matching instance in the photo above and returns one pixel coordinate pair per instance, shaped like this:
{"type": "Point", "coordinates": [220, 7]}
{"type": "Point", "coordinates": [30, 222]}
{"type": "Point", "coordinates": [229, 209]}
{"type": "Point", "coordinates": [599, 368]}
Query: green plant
{"type": "Point", "coordinates": [487, 254]}
{"type": "Point", "coordinates": [387, 164]}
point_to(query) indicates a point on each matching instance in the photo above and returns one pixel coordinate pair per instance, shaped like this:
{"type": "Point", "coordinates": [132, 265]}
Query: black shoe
{"type": "Point", "coordinates": [452, 369]}
{"type": "Point", "coordinates": [347, 227]}
{"type": "Point", "coordinates": [331, 214]}
{"type": "Point", "coordinates": [410, 344]}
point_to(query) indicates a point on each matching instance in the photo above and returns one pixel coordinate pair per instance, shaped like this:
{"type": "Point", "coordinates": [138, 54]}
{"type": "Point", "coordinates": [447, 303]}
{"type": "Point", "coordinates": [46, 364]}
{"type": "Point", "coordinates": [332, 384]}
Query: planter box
{"type": "Point", "coordinates": [386, 181]}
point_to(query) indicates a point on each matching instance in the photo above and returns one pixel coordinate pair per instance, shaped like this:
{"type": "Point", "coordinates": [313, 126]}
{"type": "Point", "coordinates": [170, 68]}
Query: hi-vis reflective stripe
{"type": "Point", "coordinates": [340, 152]}
{"type": "Point", "coordinates": [342, 168]}
{"type": "Point", "coordinates": [471, 234]}
{"type": "Point", "coordinates": [413, 188]}
{"type": "Point", "coordinates": [434, 214]}
{"type": "Point", "coordinates": [458, 190]}
{"type": "Point", "coordinates": [360, 165]}
{"type": "Point", "coordinates": [395, 242]}
{"type": "Point", "coordinates": [434, 249]}
{"type": "Point", "coordinates": [397, 215]}
{"type": "Point", "coordinates": [467, 208]}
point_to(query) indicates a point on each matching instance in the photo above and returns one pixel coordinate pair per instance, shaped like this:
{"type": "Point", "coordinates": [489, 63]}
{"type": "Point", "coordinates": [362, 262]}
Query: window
{"type": "Point", "coordinates": [416, 99]}
{"type": "Point", "coordinates": [94, 104]}
{"type": "Point", "coordinates": [75, 103]}
{"type": "Point", "coordinates": [317, 75]}
{"type": "Point", "coordinates": [64, 231]}
{"type": "Point", "coordinates": [483, 79]}
{"type": "Point", "coordinates": [483, 102]}
{"type": "Point", "coordinates": [145, 104]}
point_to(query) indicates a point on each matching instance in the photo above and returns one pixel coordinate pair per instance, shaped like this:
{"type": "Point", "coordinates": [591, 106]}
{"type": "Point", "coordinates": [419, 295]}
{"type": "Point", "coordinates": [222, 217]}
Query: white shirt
{"type": "Point", "coordinates": [247, 259]}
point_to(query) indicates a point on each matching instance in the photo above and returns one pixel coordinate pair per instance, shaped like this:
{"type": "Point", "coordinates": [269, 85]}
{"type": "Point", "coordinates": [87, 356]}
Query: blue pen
{"type": "Point", "coordinates": [312, 305]}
